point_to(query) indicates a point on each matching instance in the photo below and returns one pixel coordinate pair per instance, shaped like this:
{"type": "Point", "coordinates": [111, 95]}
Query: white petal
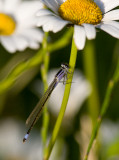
{"type": "Point", "coordinates": [112, 15]}
{"type": "Point", "coordinates": [20, 42]}
{"type": "Point", "coordinates": [42, 20]}
{"type": "Point", "coordinates": [109, 29]}
{"type": "Point", "coordinates": [79, 36]}
{"type": "Point", "coordinates": [34, 45]}
{"type": "Point", "coordinates": [8, 43]}
{"type": "Point", "coordinates": [29, 22]}
{"type": "Point", "coordinates": [10, 7]}
{"type": "Point", "coordinates": [44, 12]}
{"type": "Point", "coordinates": [112, 23]}
{"type": "Point", "coordinates": [90, 31]}
{"type": "Point", "coordinates": [107, 5]}
{"type": "Point", "coordinates": [52, 4]}
{"type": "Point", "coordinates": [62, 1]}
{"type": "Point", "coordinates": [28, 9]}
{"type": "Point", "coordinates": [110, 4]}
{"type": "Point", "coordinates": [54, 24]}
{"type": "Point", "coordinates": [1, 5]}
{"type": "Point", "coordinates": [33, 34]}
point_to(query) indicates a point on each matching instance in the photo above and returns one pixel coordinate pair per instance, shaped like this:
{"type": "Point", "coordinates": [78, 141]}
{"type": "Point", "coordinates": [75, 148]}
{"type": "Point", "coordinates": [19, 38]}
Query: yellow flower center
{"type": "Point", "coordinates": [7, 25]}
{"type": "Point", "coordinates": [80, 11]}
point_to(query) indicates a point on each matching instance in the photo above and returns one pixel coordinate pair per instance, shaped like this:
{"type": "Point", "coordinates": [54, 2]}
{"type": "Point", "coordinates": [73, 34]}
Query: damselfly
{"type": "Point", "coordinates": [35, 114]}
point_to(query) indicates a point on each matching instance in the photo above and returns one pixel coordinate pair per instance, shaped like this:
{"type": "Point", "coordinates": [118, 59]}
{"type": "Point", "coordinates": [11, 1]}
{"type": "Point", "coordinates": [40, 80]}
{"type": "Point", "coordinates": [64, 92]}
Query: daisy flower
{"type": "Point", "coordinates": [84, 15]}
{"type": "Point", "coordinates": [17, 25]}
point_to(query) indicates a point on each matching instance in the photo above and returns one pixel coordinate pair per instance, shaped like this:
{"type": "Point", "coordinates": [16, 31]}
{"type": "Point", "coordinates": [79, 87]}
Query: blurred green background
{"type": "Point", "coordinates": [17, 103]}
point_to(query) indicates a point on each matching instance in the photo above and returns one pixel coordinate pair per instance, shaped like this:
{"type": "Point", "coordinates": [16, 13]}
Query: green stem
{"type": "Point", "coordinates": [90, 72]}
{"type": "Point", "coordinates": [44, 70]}
{"type": "Point", "coordinates": [105, 105]}
{"type": "Point", "coordinates": [6, 83]}
{"type": "Point", "coordinates": [64, 102]}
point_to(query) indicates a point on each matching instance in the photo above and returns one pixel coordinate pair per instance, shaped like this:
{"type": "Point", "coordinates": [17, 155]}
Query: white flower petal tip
{"type": "Point", "coordinates": [90, 31]}
{"type": "Point", "coordinates": [79, 37]}
{"type": "Point", "coordinates": [25, 33]}
{"type": "Point", "coordinates": [8, 44]}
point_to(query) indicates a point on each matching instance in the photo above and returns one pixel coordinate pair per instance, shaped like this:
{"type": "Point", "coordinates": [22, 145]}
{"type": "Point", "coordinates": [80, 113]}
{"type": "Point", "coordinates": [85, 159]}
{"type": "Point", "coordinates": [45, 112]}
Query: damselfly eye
{"type": "Point", "coordinates": [65, 66]}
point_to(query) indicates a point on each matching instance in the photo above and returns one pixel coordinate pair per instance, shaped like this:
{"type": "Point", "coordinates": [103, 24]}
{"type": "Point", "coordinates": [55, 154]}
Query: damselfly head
{"type": "Point", "coordinates": [65, 66]}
